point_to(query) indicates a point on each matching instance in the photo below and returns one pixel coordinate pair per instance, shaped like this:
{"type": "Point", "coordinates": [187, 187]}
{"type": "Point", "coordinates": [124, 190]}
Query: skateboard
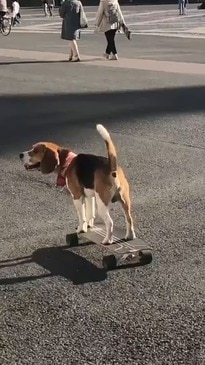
{"type": "Point", "coordinates": [122, 252]}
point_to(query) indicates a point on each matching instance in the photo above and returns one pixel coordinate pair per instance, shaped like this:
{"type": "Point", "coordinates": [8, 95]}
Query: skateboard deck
{"type": "Point", "coordinates": [122, 252]}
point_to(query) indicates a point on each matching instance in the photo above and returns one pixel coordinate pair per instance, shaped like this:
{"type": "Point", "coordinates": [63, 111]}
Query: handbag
{"type": "Point", "coordinates": [83, 19]}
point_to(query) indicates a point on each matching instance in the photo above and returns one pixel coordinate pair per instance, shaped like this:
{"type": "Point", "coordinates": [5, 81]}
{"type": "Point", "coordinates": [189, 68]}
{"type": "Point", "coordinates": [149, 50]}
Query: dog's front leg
{"type": "Point", "coordinates": [80, 208]}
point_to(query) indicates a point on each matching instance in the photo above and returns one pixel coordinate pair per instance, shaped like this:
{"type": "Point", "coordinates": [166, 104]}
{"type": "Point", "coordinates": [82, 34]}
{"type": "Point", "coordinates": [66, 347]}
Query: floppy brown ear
{"type": "Point", "coordinates": [50, 161]}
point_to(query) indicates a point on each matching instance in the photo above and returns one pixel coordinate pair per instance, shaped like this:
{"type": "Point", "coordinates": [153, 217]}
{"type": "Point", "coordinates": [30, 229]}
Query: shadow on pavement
{"type": "Point", "coordinates": [29, 118]}
{"type": "Point", "coordinates": [8, 63]}
{"type": "Point", "coordinates": [59, 261]}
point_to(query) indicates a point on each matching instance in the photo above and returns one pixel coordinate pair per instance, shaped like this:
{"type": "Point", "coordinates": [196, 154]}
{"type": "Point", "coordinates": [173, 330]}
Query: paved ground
{"type": "Point", "coordinates": [155, 20]}
{"type": "Point", "coordinates": [58, 306]}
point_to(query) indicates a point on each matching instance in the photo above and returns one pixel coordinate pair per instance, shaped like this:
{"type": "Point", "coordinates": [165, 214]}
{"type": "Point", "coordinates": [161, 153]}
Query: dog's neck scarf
{"type": "Point", "coordinates": [61, 178]}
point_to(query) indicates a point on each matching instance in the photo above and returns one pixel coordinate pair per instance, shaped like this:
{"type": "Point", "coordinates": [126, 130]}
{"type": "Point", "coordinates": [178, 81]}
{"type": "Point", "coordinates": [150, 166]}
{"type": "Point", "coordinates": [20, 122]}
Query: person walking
{"type": "Point", "coordinates": [15, 13]}
{"type": "Point", "coordinates": [74, 19]}
{"type": "Point", "coordinates": [182, 5]}
{"type": "Point", "coordinates": [48, 6]}
{"type": "Point", "coordinates": [109, 19]}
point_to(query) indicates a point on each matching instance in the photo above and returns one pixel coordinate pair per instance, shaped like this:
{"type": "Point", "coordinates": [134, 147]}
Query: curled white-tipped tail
{"type": "Point", "coordinates": [103, 132]}
{"type": "Point", "coordinates": [112, 155]}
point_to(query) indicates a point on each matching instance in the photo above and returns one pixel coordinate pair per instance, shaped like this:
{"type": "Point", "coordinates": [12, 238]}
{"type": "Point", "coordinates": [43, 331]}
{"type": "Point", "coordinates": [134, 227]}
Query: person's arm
{"type": "Point", "coordinates": [99, 14]}
{"type": "Point", "coordinates": [122, 20]}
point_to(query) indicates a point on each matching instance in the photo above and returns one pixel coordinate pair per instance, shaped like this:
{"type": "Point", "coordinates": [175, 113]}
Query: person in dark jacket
{"type": "Point", "coordinates": [74, 18]}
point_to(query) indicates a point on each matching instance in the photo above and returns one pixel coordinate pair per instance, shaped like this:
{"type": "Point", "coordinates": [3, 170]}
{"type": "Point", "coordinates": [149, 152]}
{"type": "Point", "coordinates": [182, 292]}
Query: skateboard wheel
{"type": "Point", "coordinates": [109, 262]}
{"type": "Point", "coordinates": [72, 239]}
{"type": "Point", "coordinates": [145, 257]}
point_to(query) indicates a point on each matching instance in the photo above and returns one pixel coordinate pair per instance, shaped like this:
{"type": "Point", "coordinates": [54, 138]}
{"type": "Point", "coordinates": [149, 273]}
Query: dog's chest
{"type": "Point", "coordinates": [89, 193]}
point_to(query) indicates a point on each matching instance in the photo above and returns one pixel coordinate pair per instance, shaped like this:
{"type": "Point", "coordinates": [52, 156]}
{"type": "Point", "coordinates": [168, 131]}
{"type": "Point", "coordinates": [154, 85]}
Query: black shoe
{"type": "Point", "coordinates": [76, 59]}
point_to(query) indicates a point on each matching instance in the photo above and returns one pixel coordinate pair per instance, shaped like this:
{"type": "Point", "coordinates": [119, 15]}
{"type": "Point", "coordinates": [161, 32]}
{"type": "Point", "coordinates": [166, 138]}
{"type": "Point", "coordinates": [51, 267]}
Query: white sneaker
{"type": "Point", "coordinates": [113, 57]}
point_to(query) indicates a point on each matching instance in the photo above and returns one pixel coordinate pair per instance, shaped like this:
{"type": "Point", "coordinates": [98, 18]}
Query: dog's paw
{"type": "Point", "coordinates": [82, 228]}
{"type": "Point", "coordinates": [130, 235]}
{"type": "Point", "coordinates": [107, 241]}
{"type": "Point", "coordinates": [91, 223]}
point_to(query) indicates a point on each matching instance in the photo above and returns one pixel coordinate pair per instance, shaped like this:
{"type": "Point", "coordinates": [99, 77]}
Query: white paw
{"type": "Point", "coordinates": [82, 228]}
{"type": "Point", "coordinates": [91, 223]}
{"type": "Point", "coordinates": [107, 241]}
{"type": "Point", "coordinates": [130, 235]}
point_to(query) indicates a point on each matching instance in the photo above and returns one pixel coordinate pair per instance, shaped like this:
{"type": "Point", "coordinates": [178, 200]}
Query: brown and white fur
{"type": "Point", "coordinates": [89, 178]}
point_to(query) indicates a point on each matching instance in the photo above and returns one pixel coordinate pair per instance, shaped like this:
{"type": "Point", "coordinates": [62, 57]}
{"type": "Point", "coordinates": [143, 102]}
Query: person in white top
{"type": "Point", "coordinates": [15, 13]}
{"type": "Point", "coordinates": [109, 19]}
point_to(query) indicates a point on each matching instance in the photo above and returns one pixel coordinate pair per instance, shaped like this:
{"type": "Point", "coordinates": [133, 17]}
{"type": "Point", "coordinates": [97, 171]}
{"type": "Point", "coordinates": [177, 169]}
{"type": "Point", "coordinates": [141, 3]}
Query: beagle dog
{"type": "Point", "coordinates": [89, 178]}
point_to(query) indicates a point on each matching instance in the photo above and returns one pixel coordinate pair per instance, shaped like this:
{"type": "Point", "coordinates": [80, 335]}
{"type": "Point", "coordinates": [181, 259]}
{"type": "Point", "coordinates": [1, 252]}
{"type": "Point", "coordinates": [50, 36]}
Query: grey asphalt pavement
{"type": "Point", "coordinates": [157, 20]}
{"type": "Point", "coordinates": [58, 305]}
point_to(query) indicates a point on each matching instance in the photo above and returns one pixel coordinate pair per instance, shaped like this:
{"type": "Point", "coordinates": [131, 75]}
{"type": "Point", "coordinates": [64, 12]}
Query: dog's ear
{"type": "Point", "coordinates": [50, 161]}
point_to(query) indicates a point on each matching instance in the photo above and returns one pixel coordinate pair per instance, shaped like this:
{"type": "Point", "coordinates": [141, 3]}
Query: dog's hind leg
{"type": "Point", "coordinates": [90, 210]}
{"type": "Point", "coordinates": [80, 208]}
{"type": "Point", "coordinates": [126, 206]}
{"type": "Point", "coordinates": [89, 206]}
{"type": "Point", "coordinates": [103, 211]}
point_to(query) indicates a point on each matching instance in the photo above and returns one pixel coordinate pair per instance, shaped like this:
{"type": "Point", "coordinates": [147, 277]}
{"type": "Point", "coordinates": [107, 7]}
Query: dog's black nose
{"type": "Point", "coordinates": [21, 155]}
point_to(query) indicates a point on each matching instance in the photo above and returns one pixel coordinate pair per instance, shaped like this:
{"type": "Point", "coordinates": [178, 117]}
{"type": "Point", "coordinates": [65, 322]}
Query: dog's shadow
{"type": "Point", "coordinates": [59, 261]}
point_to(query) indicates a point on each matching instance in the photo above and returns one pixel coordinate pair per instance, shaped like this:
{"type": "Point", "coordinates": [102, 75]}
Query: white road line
{"type": "Point", "coordinates": [165, 20]}
{"type": "Point", "coordinates": [174, 35]}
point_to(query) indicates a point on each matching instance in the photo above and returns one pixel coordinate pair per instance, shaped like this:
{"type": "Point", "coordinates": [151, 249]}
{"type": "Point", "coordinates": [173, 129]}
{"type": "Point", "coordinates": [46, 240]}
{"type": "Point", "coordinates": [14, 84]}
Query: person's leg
{"type": "Point", "coordinates": [17, 20]}
{"type": "Point", "coordinates": [50, 8]}
{"type": "Point", "coordinates": [107, 51]}
{"type": "Point", "coordinates": [45, 8]}
{"type": "Point", "coordinates": [180, 7]}
{"type": "Point", "coordinates": [75, 50]}
{"type": "Point", "coordinates": [14, 21]}
{"type": "Point", "coordinates": [71, 52]}
{"type": "Point", "coordinates": [184, 7]}
{"type": "Point", "coordinates": [112, 44]}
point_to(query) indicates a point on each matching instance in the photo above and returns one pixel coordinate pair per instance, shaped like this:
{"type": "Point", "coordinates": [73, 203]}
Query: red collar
{"type": "Point", "coordinates": [62, 173]}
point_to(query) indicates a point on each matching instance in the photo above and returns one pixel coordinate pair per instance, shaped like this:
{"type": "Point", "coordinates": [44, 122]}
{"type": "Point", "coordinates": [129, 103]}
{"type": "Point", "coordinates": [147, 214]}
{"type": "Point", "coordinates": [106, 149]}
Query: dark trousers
{"type": "Point", "coordinates": [110, 36]}
{"type": "Point", "coordinates": [16, 19]}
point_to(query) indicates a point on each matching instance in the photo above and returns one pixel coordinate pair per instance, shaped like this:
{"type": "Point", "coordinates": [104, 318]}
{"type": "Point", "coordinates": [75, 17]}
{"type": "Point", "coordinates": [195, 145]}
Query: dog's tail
{"type": "Point", "coordinates": [112, 155]}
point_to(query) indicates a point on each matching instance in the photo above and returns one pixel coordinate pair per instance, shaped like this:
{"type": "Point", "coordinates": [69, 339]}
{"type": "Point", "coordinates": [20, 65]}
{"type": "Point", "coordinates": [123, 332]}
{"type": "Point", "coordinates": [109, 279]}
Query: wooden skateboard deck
{"type": "Point", "coordinates": [122, 252]}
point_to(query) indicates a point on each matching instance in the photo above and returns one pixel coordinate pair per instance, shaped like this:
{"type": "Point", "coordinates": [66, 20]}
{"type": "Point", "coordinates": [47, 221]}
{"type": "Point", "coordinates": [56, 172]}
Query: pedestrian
{"type": "Point", "coordinates": [3, 8]}
{"type": "Point", "coordinates": [109, 19]}
{"type": "Point", "coordinates": [74, 19]}
{"type": "Point", "coordinates": [15, 7]}
{"type": "Point", "coordinates": [182, 5]}
{"type": "Point", "coordinates": [48, 6]}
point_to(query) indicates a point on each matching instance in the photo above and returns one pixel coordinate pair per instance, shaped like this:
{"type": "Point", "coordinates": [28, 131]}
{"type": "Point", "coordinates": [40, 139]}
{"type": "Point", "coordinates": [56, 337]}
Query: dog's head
{"type": "Point", "coordinates": [43, 156]}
